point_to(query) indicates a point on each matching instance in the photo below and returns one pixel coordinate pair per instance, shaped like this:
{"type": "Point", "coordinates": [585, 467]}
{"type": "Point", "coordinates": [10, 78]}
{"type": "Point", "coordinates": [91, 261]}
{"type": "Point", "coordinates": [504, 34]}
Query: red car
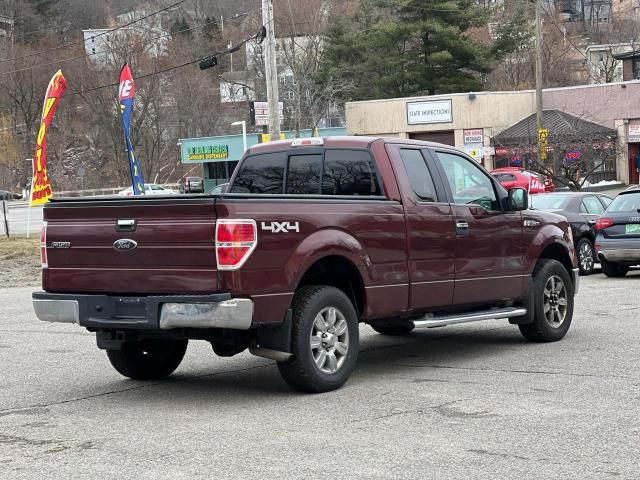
{"type": "Point", "coordinates": [510, 177]}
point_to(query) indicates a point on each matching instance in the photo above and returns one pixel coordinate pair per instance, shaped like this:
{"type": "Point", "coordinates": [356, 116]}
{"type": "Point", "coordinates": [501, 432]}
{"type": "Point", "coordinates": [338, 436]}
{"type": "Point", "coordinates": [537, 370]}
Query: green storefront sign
{"type": "Point", "coordinates": [208, 152]}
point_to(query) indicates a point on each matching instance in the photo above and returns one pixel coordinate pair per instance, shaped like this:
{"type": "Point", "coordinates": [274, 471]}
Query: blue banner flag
{"type": "Point", "coordinates": [126, 94]}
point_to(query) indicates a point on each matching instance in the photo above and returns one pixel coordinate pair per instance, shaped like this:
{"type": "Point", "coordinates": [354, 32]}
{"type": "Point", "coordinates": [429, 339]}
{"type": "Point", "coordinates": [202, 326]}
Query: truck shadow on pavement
{"type": "Point", "coordinates": [378, 356]}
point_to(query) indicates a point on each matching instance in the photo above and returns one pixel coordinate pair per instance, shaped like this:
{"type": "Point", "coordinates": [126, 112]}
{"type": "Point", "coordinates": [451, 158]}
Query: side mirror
{"type": "Point", "coordinates": [518, 200]}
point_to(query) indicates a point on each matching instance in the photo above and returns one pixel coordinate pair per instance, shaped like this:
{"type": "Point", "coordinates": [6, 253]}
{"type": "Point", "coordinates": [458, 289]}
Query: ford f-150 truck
{"type": "Point", "coordinates": [311, 238]}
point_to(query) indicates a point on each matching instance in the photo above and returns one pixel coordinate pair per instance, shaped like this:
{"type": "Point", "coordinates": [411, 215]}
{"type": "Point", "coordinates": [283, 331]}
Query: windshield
{"type": "Point", "coordinates": [629, 202]}
{"type": "Point", "coordinates": [548, 202]}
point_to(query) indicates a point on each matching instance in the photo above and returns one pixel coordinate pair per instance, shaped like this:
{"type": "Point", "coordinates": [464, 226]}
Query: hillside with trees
{"type": "Point", "coordinates": [329, 52]}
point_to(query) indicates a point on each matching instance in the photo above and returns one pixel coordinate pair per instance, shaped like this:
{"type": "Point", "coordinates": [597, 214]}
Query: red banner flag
{"type": "Point", "coordinates": [40, 185]}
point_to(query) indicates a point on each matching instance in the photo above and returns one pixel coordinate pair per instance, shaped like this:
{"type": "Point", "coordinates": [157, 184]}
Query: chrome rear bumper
{"type": "Point", "coordinates": [145, 313]}
{"type": "Point", "coordinates": [235, 313]}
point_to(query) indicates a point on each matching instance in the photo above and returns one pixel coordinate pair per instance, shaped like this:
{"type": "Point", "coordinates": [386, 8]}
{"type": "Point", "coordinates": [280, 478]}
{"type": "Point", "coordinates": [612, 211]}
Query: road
{"type": "Point", "coordinates": [18, 218]}
{"type": "Point", "coordinates": [461, 402]}
{"type": "Point", "coordinates": [18, 214]}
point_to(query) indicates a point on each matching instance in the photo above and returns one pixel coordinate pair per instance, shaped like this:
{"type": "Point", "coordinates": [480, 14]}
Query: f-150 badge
{"type": "Point", "coordinates": [280, 227]}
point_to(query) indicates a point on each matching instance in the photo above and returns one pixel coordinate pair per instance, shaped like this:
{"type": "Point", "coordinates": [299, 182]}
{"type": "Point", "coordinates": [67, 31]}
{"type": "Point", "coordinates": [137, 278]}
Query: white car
{"type": "Point", "coordinates": [149, 189]}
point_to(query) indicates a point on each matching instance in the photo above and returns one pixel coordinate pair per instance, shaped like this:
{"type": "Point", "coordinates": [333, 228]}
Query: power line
{"type": "Point", "coordinates": [229, 50]}
{"type": "Point", "coordinates": [108, 50]}
{"type": "Point", "coordinates": [575, 47]}
{"type": "Point", "coordinates": [50, 29]}
{"type": "Point", "coordinates": [106, 32]}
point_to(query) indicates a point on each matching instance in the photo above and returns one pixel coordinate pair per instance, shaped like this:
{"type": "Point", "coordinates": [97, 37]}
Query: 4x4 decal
{"type": "Point", "coordinates": [280, 227]}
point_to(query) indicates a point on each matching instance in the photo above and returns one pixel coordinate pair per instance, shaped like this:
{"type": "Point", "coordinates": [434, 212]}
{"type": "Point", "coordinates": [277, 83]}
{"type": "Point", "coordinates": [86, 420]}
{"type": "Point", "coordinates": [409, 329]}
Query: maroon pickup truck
{"type": "Point", "coordinates": [311, 237]}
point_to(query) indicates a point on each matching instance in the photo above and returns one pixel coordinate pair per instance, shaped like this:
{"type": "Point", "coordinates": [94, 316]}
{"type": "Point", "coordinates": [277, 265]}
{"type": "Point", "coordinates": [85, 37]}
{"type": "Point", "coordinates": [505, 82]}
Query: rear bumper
{"type": "Point", "coordinates": [620, 254]}
{"type": "Point", "coordinates": [145, 313]}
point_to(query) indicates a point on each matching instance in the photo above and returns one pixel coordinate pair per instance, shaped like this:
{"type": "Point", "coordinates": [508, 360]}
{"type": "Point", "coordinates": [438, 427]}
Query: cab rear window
{"type": "Point", "coordinates": [261, 174]}
{"type": "Point", "coordinates": [331, 172]}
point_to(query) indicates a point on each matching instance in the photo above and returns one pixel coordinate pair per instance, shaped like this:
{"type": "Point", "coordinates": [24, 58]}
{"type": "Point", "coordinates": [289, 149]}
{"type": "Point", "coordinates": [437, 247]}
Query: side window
{"type": "Point", "coordinates": [606, 201]}
{"type": "Point", "coordinates": [418, 173]}
{"type": "Point", "coordinates": [469, 184]}
{"type": "Point", "coordinates": [593, 205]}
{"type": "Point", "coordinates": [349, 172]}
{"type": "Point", "coordinates": [583, 207]}
{"type": "Point", "coordinates": [261, 174]}
{"type": "Point", "coordinates": [303, 176]}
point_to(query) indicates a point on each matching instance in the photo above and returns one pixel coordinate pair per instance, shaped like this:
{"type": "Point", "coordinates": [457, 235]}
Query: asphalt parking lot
{"type": "Point", "coordinates": [468, 401]}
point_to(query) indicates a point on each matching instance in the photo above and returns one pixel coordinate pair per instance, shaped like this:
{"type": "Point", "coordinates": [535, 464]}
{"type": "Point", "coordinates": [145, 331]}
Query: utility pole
{"type": "Point", "coordinates": [271, 69]}
{"type": "Point", "coordinates": [539, 126]}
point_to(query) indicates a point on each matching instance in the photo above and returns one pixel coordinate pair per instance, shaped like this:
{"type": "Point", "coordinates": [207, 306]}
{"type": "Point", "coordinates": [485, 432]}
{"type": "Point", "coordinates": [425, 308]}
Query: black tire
{"type": "Point", "coordinates": [552, 289]}
{"type": "Point", "coordinates": [302, 372]}
{"type": "Point", "coordinates": [586, 256]}
{"type": "Point", "coordinates": [394, 328]}
{"type": "Point", "coordinates": [148, 359]}
{"type": "Point", "coordinates": [611, 269]}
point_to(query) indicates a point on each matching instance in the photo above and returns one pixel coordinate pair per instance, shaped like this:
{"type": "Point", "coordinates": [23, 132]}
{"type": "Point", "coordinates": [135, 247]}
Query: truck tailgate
{"type": "Point", "coordinates": [172, 249]}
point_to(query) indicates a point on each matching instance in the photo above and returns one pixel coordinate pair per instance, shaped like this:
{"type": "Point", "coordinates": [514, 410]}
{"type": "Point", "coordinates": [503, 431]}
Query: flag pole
{"type": "Point", "coordinates": [28, 219]}
{"type": "Point", "coordinates": [29, 204]}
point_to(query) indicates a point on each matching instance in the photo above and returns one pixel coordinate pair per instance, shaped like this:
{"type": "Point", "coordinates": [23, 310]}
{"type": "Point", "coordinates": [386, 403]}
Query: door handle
{"type": "Point", "coordinates": [462, 227]}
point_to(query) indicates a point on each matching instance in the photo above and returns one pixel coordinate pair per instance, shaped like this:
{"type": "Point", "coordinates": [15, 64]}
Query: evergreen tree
{"type": "Point", "coordinates": [180, 27]}
{"type": "Point", "coordinates": [211, 28]}
{"type": "Point", "coordinates": [398, 48]}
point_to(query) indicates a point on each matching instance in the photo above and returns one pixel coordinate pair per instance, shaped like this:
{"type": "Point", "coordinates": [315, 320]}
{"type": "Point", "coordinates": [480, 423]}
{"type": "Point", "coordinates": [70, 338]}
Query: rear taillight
{"type": "Point", "coordinates": [43, 246]}
{"type": "Point", "coordinates": [603, 223]}
{"type": "Point", "coordinates": [235, 242]}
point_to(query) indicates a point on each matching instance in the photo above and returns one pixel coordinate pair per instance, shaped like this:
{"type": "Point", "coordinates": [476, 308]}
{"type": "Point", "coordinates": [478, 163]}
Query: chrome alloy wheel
{"type": "Point", "coordinates": [329, 340]}
{"type": "Point", "coordinates": [555, 301]}
{"type": "Point", "coordinates": [586, 257]}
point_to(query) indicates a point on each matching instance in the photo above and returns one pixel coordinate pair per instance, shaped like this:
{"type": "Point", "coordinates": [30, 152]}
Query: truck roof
{"type": "Point", "coordinates": [349, 141]}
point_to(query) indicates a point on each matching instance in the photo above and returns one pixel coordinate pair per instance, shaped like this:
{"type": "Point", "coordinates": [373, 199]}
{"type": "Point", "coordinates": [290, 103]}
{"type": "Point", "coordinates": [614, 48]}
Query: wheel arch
{"type": "Point", "coordinates": [559, 252]}
{"type": "Point", "coordinates": [337, 271]}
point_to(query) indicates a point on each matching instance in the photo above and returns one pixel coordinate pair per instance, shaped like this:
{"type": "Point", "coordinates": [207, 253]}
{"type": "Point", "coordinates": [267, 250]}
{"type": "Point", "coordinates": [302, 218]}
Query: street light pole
{"type": "Point", "coordinates": [244, 134]}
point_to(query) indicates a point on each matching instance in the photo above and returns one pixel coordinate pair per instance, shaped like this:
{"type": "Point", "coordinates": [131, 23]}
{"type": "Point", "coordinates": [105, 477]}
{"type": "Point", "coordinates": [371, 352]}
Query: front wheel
{"type": "Point", "coordinates": [148, 359]}
{"type": "Point", "coordinates": [611, 269]}
{"type": "Point", "coordinates": [586, 256]}
{"type": "Point", "coordinates": [324, 340]}
{"type": "Point", "coordinates": [551, 301]}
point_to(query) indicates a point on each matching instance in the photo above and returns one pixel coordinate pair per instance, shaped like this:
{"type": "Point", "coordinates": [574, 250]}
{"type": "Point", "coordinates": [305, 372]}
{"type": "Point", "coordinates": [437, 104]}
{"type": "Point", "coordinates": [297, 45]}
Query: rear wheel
{"type": "Point", "coordinates": [324, 340]}
{"type": "Point", "coordinates": [611, 269]}
{"type": "Point", "coordinates": [148, 359]}
{"type": "Point", "coordinates": [552, 303]}
{"type": "Point", "coordinates": [586, 257]}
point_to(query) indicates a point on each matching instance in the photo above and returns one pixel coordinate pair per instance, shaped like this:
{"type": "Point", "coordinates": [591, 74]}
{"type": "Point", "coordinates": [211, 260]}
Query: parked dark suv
{"type": "Point", "coordinates": [618, 240]}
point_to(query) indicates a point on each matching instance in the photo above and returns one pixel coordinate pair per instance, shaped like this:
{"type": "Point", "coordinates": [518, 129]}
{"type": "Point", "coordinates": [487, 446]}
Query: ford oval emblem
{"type": "Point", "coordinates": [125, 244]}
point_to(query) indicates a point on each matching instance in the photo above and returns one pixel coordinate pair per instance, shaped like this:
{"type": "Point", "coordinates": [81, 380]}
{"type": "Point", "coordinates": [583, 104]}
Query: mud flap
{"type": "Point", "coordinates": [276, 338]}
{"type": "Point", "coordinates": [527, 302]}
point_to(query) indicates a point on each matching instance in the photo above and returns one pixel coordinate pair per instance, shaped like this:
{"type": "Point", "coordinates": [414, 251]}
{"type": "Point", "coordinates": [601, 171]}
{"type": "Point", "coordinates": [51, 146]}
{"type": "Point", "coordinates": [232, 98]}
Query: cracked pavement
{"type": "Point", "coordinates": [467, 401]}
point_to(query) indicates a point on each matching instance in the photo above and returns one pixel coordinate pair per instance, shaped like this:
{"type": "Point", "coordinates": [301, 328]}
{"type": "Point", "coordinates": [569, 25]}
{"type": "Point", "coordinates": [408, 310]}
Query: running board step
{"type": "Point", "coordinates": [494, 314]}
